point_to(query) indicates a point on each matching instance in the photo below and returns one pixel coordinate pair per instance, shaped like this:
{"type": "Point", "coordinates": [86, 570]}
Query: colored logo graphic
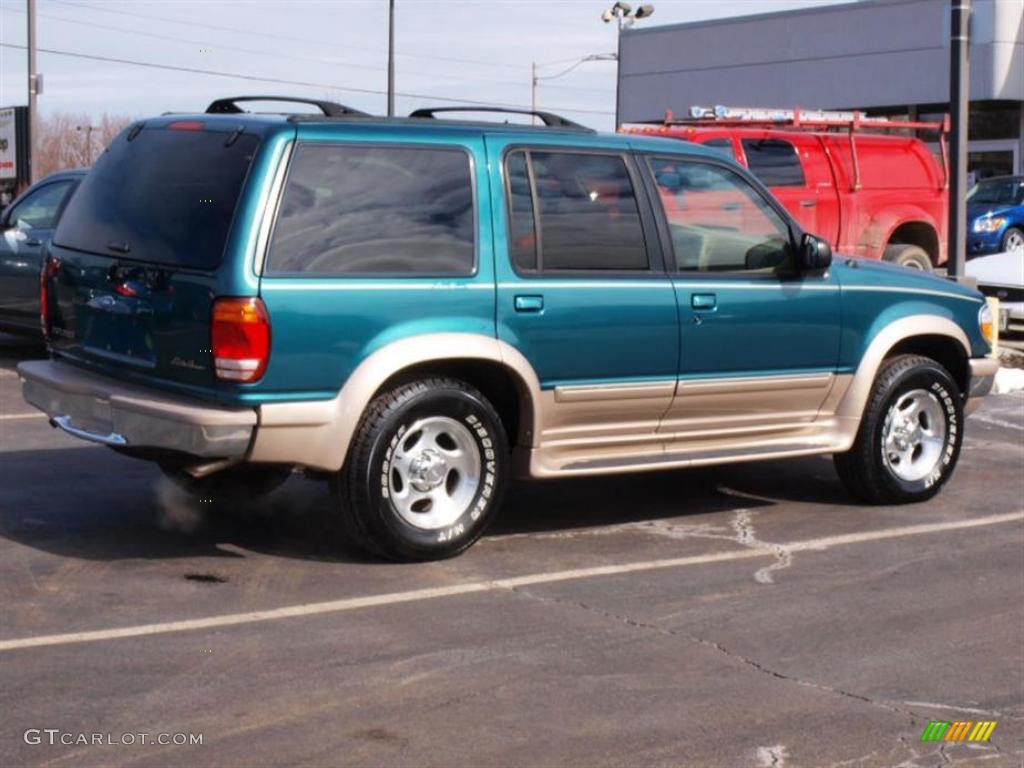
{"type": "Point", "coordinates": [960, 730]}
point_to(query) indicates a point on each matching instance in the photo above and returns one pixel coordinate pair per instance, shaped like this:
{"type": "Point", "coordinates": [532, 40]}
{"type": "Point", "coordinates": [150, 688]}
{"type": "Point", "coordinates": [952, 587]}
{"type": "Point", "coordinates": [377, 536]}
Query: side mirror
{"type": "Point", "coordinates": [815, 253]}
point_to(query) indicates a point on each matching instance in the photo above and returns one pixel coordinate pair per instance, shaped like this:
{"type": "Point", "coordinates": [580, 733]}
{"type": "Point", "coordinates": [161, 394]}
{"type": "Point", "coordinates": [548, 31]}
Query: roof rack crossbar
{"type": "Point", "coordinates": [229, 105]}
{"type": "Point", "coordinates": [548, 118]}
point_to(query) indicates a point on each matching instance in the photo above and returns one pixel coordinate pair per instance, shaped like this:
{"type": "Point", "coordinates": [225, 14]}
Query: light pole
{"type": "Point", "coordinates": [625, 17]}
{"type": "Point", "coordinates": [88, 140]}
{"type": "Point", "coordinates": [535, 78]}
{"type": "Point", "coordinates": [33, 90]}
{"type": "Point", "coordinates": [391, 58]}
{"type": "Point", "coordinates": [959, 103]}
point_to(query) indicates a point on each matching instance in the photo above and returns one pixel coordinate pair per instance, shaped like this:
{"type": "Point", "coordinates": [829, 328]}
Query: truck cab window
{"type": "Point", "coordinates": [774, 161]}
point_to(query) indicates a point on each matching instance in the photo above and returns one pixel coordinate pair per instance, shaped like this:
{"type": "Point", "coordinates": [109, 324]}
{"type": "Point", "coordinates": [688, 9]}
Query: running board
{"type": "Point", "coordinates": [691, 458]}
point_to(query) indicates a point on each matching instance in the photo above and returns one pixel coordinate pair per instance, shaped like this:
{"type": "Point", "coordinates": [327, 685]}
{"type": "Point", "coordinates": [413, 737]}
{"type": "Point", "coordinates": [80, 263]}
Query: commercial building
{"type": "Point", "coordinates": [886, 57]}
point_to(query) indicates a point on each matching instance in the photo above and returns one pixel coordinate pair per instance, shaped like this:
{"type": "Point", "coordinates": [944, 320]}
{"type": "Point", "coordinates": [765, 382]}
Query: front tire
{"type": "Point", "coordinates": [1013, 241]}
{"type": "Point", "coordinates": [910, 434]}
{"type": "Point", "coordinates": [426, 471]}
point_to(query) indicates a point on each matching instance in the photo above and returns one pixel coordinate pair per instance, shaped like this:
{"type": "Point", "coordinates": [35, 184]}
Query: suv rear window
{"type": "Point", "coordinates": [165, 197]}
{"type": "Point", "coordinates": [363, 210]}
{"type": "Point", "coordinates": [774, 162]}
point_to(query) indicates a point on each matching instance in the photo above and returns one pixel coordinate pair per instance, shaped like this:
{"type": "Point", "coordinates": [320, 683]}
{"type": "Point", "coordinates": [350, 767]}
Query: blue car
{"type": "Point", "coordinates": [26, 226]}
{"type": "Point", "coordinates": [995, 214]}
{"type": "Point", "coordinates": [418, 309]}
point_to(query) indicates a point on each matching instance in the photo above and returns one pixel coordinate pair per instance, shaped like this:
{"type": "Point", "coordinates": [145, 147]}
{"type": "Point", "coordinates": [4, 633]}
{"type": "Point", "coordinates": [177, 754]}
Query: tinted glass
{"type": "Point", "coordinates": [718, 221]}
{"type": "Point", "coordinates": [722, 145]}
{"type": "Point", "coordinates": [589, 217]}
{"type": "Point", "coordinates": [375, 210]}
{"type": "Point", "coordinates": [39, 209]}
{"type": "Point", "coordinates": [523, 241]}
{"type": "Point", "coordinates": [166, 196]}
{"type": "Point", "coordinates": [774, 161]}
{"type": "Point", "coordinates": [1002, 192]}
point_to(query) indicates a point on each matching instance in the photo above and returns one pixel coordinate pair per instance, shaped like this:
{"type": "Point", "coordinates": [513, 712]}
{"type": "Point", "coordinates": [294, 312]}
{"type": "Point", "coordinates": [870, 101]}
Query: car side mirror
{"type": "Point", "coordinates": [815, 253]}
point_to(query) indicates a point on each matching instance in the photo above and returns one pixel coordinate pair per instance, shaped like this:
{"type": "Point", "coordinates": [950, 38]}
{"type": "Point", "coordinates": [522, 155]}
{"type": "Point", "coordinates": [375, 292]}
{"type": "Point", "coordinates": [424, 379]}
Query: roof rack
{"type": "Point", "coordinates": [799, 118]}
{"type": "Point", "coordinates": [549, 119]}
{"type": "Point", "coordinates": [229, 106]}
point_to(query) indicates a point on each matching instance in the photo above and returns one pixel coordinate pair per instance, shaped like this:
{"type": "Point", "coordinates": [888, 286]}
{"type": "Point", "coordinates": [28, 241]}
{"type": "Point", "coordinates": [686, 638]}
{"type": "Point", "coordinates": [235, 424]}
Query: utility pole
{"type": "Point", "coordinates": [391, 58]}
{"type": "Point", "coordinates": [959, 98]}
{"type": "Point", "coordinates": [533, 90]}
{"type": "Point", "coordinates": [33, 82]}
{"type": "Point", "coordinates": [88, 140]}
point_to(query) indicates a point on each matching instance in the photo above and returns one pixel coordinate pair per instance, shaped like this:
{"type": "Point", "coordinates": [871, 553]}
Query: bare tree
{"type": "Point", "coordinates": [65, 138]}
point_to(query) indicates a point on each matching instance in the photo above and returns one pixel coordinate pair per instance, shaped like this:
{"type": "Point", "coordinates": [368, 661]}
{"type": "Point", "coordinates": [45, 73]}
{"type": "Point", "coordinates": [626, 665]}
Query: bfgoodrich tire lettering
{"type": "Point", "coordinates": [900, 427]}
{"type": "Point", "coordinates": [426, 471]}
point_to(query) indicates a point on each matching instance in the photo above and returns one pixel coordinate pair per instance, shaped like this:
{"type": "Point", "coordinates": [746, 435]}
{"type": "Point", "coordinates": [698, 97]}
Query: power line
{"type": "Point", "coordinates": [315, 60]}
{"type": "Point", "coordinates": [303, 40]}
{"type": "Point", "coordinates": [279, 81]}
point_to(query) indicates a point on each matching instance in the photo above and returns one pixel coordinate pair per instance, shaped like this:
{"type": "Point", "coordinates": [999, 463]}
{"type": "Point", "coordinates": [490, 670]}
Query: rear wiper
{"type": "Point", "coordinates": [119, 246]}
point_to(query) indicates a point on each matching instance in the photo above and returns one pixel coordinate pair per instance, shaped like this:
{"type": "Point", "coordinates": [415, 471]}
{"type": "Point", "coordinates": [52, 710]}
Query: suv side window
{"type": "Point", "coordinates": [718, 222]}
{"type": "Point", "coordinates": [39, 210]}
{"type": "Point", "coordinates": [774, 161]}
{"type": "Point", "coordinates": [375, 210]}
{"type": "Point", "coordinates": [584, 213]}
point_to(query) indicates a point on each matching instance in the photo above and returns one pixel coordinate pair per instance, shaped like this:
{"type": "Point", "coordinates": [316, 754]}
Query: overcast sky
{"type": "Point", "coordinates": [446, 49]}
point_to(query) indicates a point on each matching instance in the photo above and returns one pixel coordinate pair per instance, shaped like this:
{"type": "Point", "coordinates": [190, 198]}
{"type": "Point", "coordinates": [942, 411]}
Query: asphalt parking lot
{"type": "Point", "coordinates": [741, 616]}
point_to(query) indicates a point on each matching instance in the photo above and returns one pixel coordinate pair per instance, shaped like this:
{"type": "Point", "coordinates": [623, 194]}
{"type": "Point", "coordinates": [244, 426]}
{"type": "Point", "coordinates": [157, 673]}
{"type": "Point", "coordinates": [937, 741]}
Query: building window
{"type": "Point", "coordinates": [775, 162]}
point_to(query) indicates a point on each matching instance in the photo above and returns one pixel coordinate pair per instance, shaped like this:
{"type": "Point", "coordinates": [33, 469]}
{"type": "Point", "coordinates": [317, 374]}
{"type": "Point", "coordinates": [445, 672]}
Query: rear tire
{"type": "Point", "coordinates": [910, 256]}
{"type": "Point", "coordinates": [910, 434]}
{"type": "Point", "coordinates": [426, 471]}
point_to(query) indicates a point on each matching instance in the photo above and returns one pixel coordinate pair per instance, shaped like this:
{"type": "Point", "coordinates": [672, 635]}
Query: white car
{"type": "Point", "coordinates": [1001, 275]}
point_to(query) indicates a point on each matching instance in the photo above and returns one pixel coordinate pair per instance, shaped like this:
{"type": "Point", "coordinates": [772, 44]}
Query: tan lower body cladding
{"type": "Point", "coordinates": [634, 427]}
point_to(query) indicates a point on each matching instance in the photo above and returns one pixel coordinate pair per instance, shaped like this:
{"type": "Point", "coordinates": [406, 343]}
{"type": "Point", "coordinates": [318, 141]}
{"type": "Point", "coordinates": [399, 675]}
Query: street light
{"type": "Point", "coordinates": [626, 17]}
{"type": "Point", "coordinates": [535, 78]}
{"type": "Point", "coordinates": [88, 140]}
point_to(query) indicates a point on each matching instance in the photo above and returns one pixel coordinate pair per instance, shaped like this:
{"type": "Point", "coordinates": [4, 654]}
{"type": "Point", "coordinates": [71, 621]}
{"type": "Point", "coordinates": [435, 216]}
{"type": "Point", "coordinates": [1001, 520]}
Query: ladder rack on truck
{"type": "Point", "coordinates": [798, 119]}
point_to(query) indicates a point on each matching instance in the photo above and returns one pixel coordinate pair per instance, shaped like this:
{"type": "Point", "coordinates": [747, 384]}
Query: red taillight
{"type": "Point", "coordinates": [51, 267]}
{"type": "Point", "coordinates": [185, 125]}
{"type": "Point", "coordinates": [240, 339]}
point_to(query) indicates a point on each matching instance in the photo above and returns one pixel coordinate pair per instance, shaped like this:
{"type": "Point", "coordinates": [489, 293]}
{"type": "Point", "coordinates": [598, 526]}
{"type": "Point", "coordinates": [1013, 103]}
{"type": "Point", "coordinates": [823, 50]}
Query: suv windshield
{"type": "Point", "coordinates": [162, 196]}
{"type": "Point", "coordinates": [1004, 192]}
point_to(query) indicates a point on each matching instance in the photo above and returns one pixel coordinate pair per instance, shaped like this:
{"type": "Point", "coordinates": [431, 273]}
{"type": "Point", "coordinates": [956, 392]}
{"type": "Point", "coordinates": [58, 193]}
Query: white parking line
{"type": "Point", "coordinates": [19, 416]}
{"type": "Point", "coordinates": [372, 601]}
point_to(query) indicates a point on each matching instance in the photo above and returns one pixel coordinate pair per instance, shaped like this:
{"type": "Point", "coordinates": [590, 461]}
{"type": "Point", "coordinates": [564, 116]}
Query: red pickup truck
{"type": "Point", "coordinates": [840, 175]}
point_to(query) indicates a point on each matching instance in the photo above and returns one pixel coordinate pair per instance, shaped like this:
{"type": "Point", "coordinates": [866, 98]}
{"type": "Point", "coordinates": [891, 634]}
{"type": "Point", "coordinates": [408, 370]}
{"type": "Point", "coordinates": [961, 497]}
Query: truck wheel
{"type": "Point", "coordinates": [232, 489]}
{"type": "Point", "coordinates": [912, 256]}
{"type": "Point", "coordinates": [1013, 241]}
{"type": "Point", "coordinates": [910, 434]}
{"type": "Point", "coordinates": [426, 471]}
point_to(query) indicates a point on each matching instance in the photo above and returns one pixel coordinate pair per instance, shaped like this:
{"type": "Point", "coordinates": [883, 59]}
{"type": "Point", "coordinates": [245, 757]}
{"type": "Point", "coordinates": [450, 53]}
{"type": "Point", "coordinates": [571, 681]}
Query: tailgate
{"type": "Point", "coordinates": [136, 262]}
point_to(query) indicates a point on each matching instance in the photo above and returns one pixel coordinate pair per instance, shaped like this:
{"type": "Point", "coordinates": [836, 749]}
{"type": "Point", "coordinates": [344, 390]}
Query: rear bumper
{"type": "Point", "coordinates": [103, 410]}
{"type": "Point", "coordinates": [983, 376]}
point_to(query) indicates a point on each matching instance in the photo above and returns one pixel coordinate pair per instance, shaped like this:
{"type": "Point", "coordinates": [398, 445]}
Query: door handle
{"type": "Point", "coordinates": [703, 301]}
{"type": "Point", "coordinates": [33, 241]}
{"type": "Point", "coordinates": [808, 203]}
{"type": "Point", "coordinates": [529, 303]}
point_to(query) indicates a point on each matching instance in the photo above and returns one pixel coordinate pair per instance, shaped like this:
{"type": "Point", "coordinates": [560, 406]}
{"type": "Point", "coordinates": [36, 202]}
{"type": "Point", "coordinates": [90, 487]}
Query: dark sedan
{"type": "Point", "coordinates": [26, 226]}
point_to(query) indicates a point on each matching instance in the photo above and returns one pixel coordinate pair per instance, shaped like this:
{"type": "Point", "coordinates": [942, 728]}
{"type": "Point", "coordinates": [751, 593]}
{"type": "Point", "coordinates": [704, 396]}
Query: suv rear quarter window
{"type": "Point", "coordinates": [375, 210]}
{"type": "Point", "coordinates": [775, 162]}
